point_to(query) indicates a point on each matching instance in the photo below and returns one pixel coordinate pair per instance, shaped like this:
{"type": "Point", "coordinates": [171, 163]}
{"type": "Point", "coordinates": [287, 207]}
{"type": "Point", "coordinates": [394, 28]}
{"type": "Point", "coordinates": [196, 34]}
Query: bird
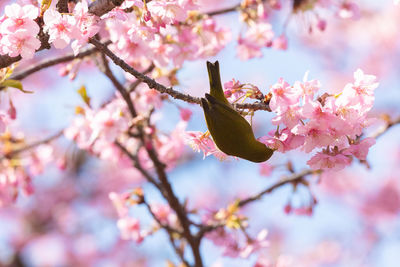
{"type": "Point", "coordinates": [231, 132]}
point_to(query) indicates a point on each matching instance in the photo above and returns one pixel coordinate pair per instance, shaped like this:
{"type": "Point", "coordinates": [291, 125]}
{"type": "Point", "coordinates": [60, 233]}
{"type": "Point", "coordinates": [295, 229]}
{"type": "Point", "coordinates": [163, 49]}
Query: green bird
{"type": "Point", "coordinates": [231, 132]}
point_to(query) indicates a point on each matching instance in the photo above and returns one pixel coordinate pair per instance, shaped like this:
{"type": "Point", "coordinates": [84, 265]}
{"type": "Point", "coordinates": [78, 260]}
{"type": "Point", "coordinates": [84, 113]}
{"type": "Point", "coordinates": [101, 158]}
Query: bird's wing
{"type": "Point", "coordinates": [222, 116]}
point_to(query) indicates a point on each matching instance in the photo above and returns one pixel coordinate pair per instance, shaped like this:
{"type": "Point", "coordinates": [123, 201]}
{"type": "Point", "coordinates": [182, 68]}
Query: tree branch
{"type": "Point", "coordinates": [296, 177]}
{"type": "Point", "coordinates": [165, 187]}
{"type": "Point", "coordinates": [32, 145]}
{"type": "Point", "coordinates": [170, 232]}
{"type": "Point", "coordinates": [223, 10]}
{"type": "Point", "coordinates": [62, 6]}
{"type": "Point", "coordinates": [159, 87]}
{"type": "Point", "coordinates": [389, 124]}
{"type": "Point", "coordinates": [101, 7]}
{"type": "Point", "coordinates": [54, 61]}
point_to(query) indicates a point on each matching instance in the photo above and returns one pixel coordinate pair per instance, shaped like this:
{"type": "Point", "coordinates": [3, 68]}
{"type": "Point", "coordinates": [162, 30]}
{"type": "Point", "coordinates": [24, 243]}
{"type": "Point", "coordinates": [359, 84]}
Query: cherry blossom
{"type": "Point", "coordinates": [61, 28]}
{"type": "Point", "coordinates": [20, 18]}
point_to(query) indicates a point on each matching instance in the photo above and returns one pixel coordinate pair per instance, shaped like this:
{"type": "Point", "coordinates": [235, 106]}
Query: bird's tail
{"type": "Point", "coordinates": [215, 82]}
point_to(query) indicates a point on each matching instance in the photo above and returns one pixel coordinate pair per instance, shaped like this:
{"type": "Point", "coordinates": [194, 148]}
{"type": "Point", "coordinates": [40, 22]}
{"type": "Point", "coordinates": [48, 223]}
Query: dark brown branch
{"type": "Point", "coordinates": [135, 84]}
{"type": "Point", "coordinates": [176, 206]}
{"type": "Point", "coordinates": [296, 177]}
{"type": "Point", "coordinates": [6, 60]}
{"type": "Point", "coordinates": [162, 225]}
{"type": "Point", "coordinates": [62, 6]}
{"type": "Point", "coordinates": [101, 7]}
{"type": "Point", "coordinates": [138, 166]}
{"type": "Point", "coordinates": [51, 62]}
{"type": "Point", "coordinates": [165, 187]}
{"type": "Point", "coordinates": [121, 89]}
{"type": "Point", "coordinates": [159, 87]}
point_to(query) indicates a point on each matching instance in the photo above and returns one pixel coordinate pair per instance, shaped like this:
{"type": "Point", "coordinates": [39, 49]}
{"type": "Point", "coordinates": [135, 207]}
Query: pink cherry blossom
{"type": "Point", "coordinates": [290, 117]}
{"type": "Point", "coordinates": [185, 114]}
{"type": "Point", "coordinates": [360, 150]}
{"type": "Point", "coordinates": [20, 18]}
{"type": "Point", "coordinates": [86, 24]}
{"type": "Point", "coordinates": [119, 201]}
{"type": "Point", "coordinates": [61, 28]}
{"type": "Point", "coordinates": [130, 229]}
{"type": "Point", "coordinates": [40, 158]}
{"type": "Point", "coordinates": [164, 213]}
{"type": "Point", "coordinates": [171, 11]}
{"type": "Point", "coordinates": [283, 95]}
{"type": "Point", "coordinates": [283, 141]}
{"type": "Point", "coordinates": [266, 169]}
{"type": "Point", "coordinates": [252, 246]}
{"type": "Point", "coordinates": [314, 135]}
{"type": "Point", "coordinates": [256, 37]}
{"type": "Point", "coordinates": [383, 203]}
{"type": "Point", "coordinates": [359, 95]}
{"type": "Point", "coordinates": [20, 43]}
{"type": "Point", "coordinates": [331, 161]}
{"type": "Point", "coordinates": [280, 43]}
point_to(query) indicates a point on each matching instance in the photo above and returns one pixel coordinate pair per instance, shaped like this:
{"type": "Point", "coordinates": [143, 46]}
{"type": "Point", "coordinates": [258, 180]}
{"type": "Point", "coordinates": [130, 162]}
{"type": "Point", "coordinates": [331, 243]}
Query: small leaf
{"type": "Point", "coordinates": [6, 72]}
{"type": "Point", "coordinates": [83, 93]}
{"type": "Point", "coordinates": [14, 84]}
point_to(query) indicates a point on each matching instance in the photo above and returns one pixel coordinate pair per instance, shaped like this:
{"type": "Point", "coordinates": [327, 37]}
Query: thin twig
{"type": "Point", "coordinates": [32, 145]}
{"type": "Point", "coordinates": [137, 165]}
{"type": "Point", "coordinates": [54, 61]}
{"type": "Point", "coordinates": [121, 89]}
{"type": "Point", "coordinates": [389, 124]}
{"type": "Point", "coordinates": [296, 177]}
{"type": "Point", "coordinates": [223, 10]}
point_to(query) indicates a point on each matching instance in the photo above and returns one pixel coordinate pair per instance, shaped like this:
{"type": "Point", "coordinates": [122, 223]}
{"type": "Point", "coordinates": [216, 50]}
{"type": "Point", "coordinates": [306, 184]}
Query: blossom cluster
{"type": "Point", "coordinates": [258, 15]}
{"type": "Point", "coordinates": [19, 28]}
{"type": "Point", "coordinates": [97, 130]}
{"type": "Point", "coordinates": [62, 28]}
{"type": "Point", "coordinates": [164, 38]}
{"type": "Point", "coordinates": [18, 31]}
{"type": "Point", "coordinates": [331, 122]}
{"type": "Point", "coordinates": [230, 237]}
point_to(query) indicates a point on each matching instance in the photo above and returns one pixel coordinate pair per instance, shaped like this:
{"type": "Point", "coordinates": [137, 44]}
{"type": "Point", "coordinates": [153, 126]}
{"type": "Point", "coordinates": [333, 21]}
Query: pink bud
{"type": "Point", "coordinates": [147, 16]}
{"type": "Point", "coordinates": [12, 112]}
{"type": "Point", "coordinates": [149, 145]}
{"type": "Point", "coordinates": [280, 43]}
{"type": "Point", "coordinates": [321, 25]}
{"type": "Point", "coordinates": [62, 163]}
{"type": "Point", "coordinates": [288, 208]}
{"type": "Point", "coordinates": [228, 93]}
{"type": "Point", "coordinates": [185, 114]}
